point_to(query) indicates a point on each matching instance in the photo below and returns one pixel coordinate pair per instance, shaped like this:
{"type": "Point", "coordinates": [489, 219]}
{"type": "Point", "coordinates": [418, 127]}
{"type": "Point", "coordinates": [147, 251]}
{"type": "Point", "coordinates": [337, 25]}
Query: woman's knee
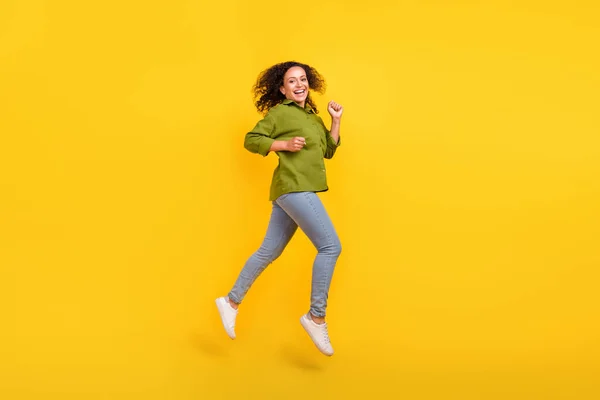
{"type": "Point", "coordinates": [337, 248]}
{"type": "Point", "coordinates": [333, 248]}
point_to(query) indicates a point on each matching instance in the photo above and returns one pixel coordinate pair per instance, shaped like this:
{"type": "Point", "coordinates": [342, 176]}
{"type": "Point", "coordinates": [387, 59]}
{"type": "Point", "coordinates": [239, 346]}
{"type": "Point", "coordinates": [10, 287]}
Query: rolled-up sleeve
{"type": "Point", "coordinates": [331, 145]}
{"type": "Point", "coordinates": [259, 139]}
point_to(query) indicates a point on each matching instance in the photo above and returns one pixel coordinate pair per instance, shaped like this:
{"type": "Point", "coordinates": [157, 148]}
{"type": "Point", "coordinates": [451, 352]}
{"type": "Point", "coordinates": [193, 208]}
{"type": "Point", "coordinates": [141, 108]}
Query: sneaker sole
{"type": "Point", "coordinates": [221, 313]}
{"type": "Point", "coordinates": [304, 323]}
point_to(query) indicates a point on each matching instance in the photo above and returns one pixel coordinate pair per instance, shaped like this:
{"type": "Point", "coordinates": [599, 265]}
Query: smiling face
{"type": "Point", "coordinates": [295, 85]}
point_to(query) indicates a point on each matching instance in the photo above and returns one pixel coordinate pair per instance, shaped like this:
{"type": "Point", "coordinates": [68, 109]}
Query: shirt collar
{"type": "Point", "coordinates": [307, 107]}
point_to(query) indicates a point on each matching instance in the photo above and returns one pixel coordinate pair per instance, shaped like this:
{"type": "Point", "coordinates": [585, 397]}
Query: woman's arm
{"type": "Point", "coordinates": [259, 139]}
{"type": "Point", "coordinates": [293, 145]}
{"type": "Point", "coordinates": [335, 130]}
{"type": "Point", "coordinates": [333, 140]}
{"type": "Point", "coordinates": [335, 110]}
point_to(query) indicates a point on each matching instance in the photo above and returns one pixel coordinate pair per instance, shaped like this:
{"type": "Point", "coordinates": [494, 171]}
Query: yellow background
{"type": "Point", "coordinates": [466, 196]}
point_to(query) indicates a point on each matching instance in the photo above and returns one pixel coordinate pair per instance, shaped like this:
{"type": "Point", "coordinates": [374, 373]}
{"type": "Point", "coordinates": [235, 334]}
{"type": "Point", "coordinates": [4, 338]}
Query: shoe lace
{"type": "Point", "coordinates": [325, 334]}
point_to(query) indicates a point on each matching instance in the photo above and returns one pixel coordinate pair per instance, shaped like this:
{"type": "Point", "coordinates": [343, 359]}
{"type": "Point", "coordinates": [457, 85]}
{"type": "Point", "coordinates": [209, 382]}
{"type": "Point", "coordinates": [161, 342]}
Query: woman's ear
{"type": "Point", "coordinates": [282, 90]}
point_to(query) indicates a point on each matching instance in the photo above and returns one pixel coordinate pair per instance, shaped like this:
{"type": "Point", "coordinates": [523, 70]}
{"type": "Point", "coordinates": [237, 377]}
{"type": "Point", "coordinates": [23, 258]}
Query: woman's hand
{"type": "Point", "coordinates": [295, 144]}
{"type": "Point", "coordinates": [335, 110]}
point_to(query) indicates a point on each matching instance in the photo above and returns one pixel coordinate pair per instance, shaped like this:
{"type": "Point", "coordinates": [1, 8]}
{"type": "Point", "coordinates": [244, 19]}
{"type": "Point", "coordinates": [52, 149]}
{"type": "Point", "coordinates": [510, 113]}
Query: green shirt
{"type": "Point", "coordinates": [302, 171]}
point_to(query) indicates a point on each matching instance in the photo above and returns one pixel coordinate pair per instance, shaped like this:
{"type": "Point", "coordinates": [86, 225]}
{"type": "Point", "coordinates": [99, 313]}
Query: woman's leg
{"type": "Point", "coordinates": [308, 212]}
{"type": "Point", "coordinates": [280, 231]}
{"type": "Point", "coordinates": [306, 209]}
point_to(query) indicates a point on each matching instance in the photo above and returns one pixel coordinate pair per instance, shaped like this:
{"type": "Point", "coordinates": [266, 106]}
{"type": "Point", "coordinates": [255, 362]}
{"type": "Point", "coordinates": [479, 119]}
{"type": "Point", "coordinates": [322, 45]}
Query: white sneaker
{"type": "Point", "coordinates": [228, 315]}
{"type": "Point", "coordinates": [318, 334]}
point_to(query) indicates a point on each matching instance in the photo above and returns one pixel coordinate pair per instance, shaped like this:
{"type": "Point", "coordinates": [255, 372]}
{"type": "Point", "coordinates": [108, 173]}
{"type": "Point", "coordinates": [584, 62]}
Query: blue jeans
{"type": "Point", "coordinates": [290, 211]}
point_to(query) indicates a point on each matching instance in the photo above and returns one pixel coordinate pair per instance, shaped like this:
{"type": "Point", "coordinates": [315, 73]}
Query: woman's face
{"type": "Point", "coordinates": [295, 85]}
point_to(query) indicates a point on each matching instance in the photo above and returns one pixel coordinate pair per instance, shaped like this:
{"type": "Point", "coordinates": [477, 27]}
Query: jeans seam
{"type": "Point", "coordinates": [328, 237]}
{"type": "Point", "coordinates": [330, 242]}
{"type": "Point", "coordinates": [269, 259]}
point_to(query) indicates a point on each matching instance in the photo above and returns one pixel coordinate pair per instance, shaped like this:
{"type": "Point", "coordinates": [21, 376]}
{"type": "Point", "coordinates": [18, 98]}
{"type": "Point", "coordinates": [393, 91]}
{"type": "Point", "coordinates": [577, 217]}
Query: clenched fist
{"type": "Point", "coordinates": [335, 110]}
{"type": "Point", "coordinates": [296, 144]}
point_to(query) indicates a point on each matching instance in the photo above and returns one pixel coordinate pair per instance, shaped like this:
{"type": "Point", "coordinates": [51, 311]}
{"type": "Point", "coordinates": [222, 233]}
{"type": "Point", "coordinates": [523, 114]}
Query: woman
{"type": "Point", "coordinates": [292, 129]}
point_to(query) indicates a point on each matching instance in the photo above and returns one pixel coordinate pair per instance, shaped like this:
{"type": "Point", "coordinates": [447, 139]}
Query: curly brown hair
{"type": "Point", "coordinates": [266, 89]}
